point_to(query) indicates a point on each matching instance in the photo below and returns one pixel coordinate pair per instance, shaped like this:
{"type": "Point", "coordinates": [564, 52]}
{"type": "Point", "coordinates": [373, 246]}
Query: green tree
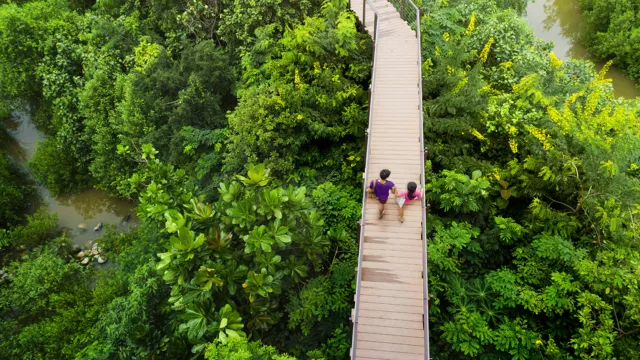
{"type": "Point", "coordinates": [302, 95]}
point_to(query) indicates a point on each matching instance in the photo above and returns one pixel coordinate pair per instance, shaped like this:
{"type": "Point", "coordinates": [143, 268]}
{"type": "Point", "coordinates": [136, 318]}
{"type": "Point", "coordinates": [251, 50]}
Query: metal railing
{"type": "Point", "coordinates": [410, 13]}
{"type": "Point", "coordinates": [376, 19]}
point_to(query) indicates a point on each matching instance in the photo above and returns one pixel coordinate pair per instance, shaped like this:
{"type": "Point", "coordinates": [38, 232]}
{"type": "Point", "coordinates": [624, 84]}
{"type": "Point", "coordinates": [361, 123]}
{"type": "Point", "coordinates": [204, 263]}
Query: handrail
{"type": "Point", "coordinates": [424, 205]}
{"type": "Point", "coordinates": [425, 252]}
{"type": "Point", "coordinates": [354, 336]}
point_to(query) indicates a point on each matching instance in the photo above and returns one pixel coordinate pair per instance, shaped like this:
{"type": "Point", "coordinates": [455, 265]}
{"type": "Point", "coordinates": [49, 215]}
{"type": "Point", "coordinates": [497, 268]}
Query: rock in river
{"type": "Point", "coordinates": [83, 253]}
{"type": "Point", "coordinates": [102, 259]}
{"type": "Point", "coordinates": [98, 227]}
{"type": "Point", "coordinates": [85, 261]}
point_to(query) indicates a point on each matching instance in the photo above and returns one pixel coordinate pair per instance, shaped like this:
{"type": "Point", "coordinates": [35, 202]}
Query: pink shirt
{"type": "Point", "coordinates": [405, 195]}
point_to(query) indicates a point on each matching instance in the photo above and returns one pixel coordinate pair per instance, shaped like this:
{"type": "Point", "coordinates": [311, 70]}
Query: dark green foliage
{"type": "Point", "coordinates": [57, 167]}
{"type": "Point", "coordinates": [611, 31]}
{"type": "Point", "coordinates": [15, 191]}
{"type": "Point", "coordinates": [40, 228]}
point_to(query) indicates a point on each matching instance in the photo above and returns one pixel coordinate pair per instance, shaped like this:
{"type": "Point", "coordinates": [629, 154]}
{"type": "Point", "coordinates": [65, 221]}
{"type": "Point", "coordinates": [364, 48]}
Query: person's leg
{"type": "Point", "coordinates": [401, 214]}
{"type": "Point", "coordinates": [381, 207]}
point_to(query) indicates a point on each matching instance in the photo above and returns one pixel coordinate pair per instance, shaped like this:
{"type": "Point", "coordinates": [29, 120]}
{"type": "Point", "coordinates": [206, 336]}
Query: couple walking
{"type": "Point", "coordinates": [381, 187]}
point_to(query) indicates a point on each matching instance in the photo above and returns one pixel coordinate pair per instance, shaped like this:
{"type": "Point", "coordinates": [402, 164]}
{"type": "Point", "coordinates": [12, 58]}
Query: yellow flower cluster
{"type": "Point", "coordinates": [592, 102]}
{"type": "Point", "coordinates": [558, 119]}
{"type": "Point", "coordinates": [555, 62]}
{"type": "Point", "coordinates": [450, 70]}
{"type": "Point", "coordinates": [542, 136]}
{"type": "Point", "coordinates": [604, 70]}
{"type": "Point", "coordinates": [472, 25]}
{"type": "Point", "coordinates": [507, 64]}
{"type": "Point", "coordinates": [460, 85]}
{"type": "Point", "coordinates": [485, 51]}
{"type": "Point", "coordinates": [486, 88]}
{"type": "Point", "coordinates": [297, 80]}
{"type": "Point", "coordinates": [446, 36]}
{"type": "Point", "coordinates": [477, 134]}
{"type": "Point", "coordinates": [513, 144]}
{"type": "Point", "coordinates": [437, 51]}
{"type": "Point", "coordinates": [513, 130]}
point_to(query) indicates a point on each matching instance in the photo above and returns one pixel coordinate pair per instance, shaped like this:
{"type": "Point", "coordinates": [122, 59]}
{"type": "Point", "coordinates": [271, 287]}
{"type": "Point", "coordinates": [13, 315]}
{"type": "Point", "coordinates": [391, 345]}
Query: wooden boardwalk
{"type": "Point", "coordinates": [390, 302]}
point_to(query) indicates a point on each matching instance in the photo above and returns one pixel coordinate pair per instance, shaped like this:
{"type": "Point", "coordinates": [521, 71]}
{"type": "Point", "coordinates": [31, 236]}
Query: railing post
{"type": "Point", "coordinates": [418, 17]}
{"type": "Point", "coordinates": [364, 13]}
{"type": "Point", "coordinates": [375, 26]}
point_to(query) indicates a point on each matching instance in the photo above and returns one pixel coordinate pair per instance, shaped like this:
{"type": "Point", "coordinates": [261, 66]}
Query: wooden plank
{"type": "Point", "coordinates": [382, 292]}
{"type": "Point", "coordinates": [383, 330]}
{"type": "Point", "coordinates": [387, 262]}
{"type": "Point", "coordinates": [399, 349]}
{"type": "Point", "coordinates": [392, 243]}
{"type": "Point", "coordinates": [392, 255]}
{"type": "Point", "coordinates": [391, 279]}
{"type": "Point", "coordinates": [394, 299]}
{"type": "Point", "coordinates": [390, 339]}
{"type": "Point", "coordinates": [390, 315]}
{"type": "Point", "coordinates": [395, 235]}
{"type": "Point", "coordinates": [412, 267]}
{"type": "Point", "coordinates": [393, 275]}
{"type": "Point", "coordinates": [384, 355]}
{"type": "Point", "coordinates": [408, 309]}
{"type": "Point", "coordinates": [415, 325]}
{"type": "Point", "coordinates": [391, 287]}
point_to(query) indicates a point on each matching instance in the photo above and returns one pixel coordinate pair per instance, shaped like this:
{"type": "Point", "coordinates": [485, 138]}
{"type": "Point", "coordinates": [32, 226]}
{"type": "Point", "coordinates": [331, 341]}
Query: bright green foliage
{"type": "Point", "coordinates": [24, 31]}
{"type": "Point", "coordinates": [240, 19]}
{"type": "Point", "coordinates": [302, 94]}
{"type": "Point", "coordinates": [42, 306]}
{"type": "Point", "coordinates": [319, 308]}
{"type": "Point", "coordinates": [241, 349]}
{"type": "Point", "coordinates": [533, 194]}
{"type": "Point", "coordinates": [612, 28]}
{"type": "Point", "coordinates": [265, 228]}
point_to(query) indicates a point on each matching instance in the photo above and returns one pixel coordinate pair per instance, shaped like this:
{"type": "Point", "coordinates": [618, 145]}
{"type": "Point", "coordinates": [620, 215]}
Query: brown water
{"type": "Point", "coordinates": [560, 21]}
{"type": "Point", "coordinates": [86, 209]}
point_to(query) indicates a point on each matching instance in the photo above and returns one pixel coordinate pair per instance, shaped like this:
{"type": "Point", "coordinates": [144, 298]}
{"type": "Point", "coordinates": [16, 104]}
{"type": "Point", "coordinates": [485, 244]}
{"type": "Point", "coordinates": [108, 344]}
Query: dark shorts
{"type": "Point", "coordinates": [382, 201]}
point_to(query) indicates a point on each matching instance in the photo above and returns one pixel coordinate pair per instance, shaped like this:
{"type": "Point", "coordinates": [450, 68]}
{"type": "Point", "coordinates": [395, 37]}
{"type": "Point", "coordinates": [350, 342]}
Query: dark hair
{"type": "Point", "coordinates": [384, 174]}
{"type": "Point", "coordinates": [411, 188]}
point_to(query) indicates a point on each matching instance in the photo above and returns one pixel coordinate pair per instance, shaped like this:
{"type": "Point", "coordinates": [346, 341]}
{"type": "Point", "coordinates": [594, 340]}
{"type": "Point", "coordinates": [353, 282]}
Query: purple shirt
{"type": "Point", "coordinates": [382, 190]}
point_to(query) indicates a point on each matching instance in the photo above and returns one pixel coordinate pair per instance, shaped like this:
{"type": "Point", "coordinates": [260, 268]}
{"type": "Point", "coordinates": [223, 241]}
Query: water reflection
{"type": "Point", "coordinates": [560, 22]}
{"type": "Point", "coordinates": [79, 212]}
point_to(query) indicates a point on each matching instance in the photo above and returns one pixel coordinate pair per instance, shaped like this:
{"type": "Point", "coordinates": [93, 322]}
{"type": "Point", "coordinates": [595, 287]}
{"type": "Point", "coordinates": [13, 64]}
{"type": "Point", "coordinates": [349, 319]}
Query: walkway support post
{"type": "Point", "coordinates": [375, 27]}
{"type": "Point", "coordinates": [364, 14]}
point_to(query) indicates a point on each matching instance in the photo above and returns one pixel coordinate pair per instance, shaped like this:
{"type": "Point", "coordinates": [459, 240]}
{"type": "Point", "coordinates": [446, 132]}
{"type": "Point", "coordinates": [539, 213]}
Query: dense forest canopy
{"type": "Point", "coordinates": [238, 127]}
{"type": "Point", "coordinates": [612, 32]}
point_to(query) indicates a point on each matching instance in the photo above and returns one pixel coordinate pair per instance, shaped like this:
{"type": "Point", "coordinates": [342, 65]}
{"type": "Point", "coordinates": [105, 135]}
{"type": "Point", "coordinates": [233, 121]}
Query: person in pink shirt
{"type": "Point", "coordinates": [409, 196]}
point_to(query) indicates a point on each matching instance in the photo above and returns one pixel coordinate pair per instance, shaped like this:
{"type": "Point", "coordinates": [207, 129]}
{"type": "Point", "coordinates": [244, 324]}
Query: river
{"type": "Point", "coordinates": [560, 21]}
{"type": "Point", "coordinates": [86, 208]}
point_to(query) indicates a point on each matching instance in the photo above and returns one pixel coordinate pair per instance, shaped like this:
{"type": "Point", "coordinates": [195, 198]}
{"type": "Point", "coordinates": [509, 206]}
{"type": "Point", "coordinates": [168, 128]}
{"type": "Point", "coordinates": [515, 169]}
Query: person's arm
{"type": "Point", "coordinates": [395, 191]}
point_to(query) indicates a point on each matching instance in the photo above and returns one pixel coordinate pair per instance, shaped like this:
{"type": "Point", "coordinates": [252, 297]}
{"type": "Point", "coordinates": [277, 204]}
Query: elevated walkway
{"type": "Point", "coordinates": [391, 292]}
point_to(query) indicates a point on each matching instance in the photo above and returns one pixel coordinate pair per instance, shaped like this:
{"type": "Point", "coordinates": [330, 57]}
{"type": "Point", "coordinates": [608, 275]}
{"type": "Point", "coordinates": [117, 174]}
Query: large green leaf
{"type": "Point", "coordinates": [258, 240]}
{"type": "Point", "coordinates": [258, 175]}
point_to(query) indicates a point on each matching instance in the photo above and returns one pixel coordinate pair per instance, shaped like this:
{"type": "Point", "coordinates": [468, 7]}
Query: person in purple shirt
{"type": "Point", "coordinates": [381, 188]}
